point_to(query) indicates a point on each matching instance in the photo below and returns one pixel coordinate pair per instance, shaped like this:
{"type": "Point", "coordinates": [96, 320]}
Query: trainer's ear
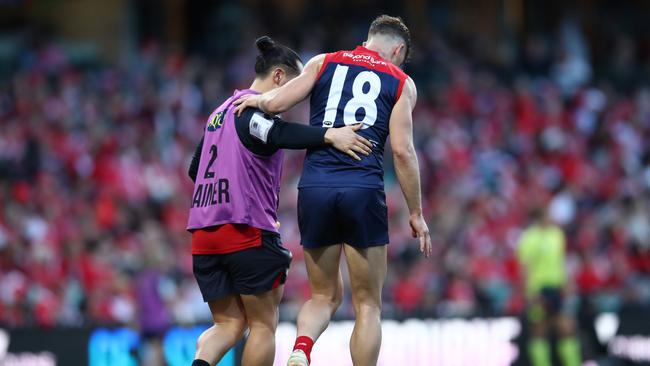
{"type": "Point", "coordinates": [279, 76]}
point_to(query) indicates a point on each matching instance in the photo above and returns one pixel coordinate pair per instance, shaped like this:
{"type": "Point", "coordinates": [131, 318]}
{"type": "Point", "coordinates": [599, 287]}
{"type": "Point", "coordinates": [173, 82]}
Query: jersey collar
{"type": "Point", "coordinates": [362, 49]}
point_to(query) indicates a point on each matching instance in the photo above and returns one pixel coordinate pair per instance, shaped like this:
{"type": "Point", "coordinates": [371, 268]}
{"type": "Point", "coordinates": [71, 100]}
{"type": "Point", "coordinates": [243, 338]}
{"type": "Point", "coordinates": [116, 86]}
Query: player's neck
{"type": "Point", "coordinates": [262, 85]}
{"type": "Point", "coordinates": [371, 45]}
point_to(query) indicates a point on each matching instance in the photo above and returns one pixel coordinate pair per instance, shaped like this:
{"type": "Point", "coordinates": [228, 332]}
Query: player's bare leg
{"type": "Point", "coordinates": [229, 326]}
{"type": "Point", "coordinates": [262, 319]}
{"type": "Point", "coordinates": [367, 268]}
{"type": "Point", "coordinates": [326, 285]}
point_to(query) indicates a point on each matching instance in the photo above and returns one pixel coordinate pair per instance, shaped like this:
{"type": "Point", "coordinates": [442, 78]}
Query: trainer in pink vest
{"type": "Point", "coordinates": [233, 185]}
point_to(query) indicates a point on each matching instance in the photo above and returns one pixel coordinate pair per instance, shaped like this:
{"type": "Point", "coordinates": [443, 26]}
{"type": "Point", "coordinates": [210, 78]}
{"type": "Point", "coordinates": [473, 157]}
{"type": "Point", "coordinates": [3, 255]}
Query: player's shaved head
{"type": "Point", "coordinates": [391, 27]}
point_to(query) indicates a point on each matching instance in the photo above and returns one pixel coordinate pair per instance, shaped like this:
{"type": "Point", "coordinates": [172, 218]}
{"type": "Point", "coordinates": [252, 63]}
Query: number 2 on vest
{"type": "Point", "coordinates": [213, 156]}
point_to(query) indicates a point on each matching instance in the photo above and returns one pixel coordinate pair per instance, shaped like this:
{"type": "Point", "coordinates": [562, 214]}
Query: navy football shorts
{"type": "Point", "coordinates": [355, 216]}
{"type": "Point", "coordinates": [552, 300]}
{"type": "Point", "coordinates": [248, 272]}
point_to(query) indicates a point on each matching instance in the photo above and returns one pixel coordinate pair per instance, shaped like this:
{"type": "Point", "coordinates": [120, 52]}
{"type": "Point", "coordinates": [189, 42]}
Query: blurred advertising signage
{"type": "Point", "coordinates": [453, 342]}
{"type": "Point", "coordinates": [95, 347]}
{"type": "Point", "coordinates": [627, 335]}
{"type": "Point", "coordinates": [122, 346]}
{"type": "Point", "coordinates": [34, 347]}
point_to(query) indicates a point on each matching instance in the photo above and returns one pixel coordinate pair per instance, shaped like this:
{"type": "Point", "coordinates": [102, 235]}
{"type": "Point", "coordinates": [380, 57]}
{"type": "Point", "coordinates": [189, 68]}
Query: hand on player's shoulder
{"type": "Point", "coordinates": [245, 101]}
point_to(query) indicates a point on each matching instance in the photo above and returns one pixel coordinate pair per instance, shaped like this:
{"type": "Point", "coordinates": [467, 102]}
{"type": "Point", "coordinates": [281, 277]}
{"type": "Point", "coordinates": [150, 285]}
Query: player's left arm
{"type": "Point", "coordinates": [281, 99]}
{"type": "Point", "coordinates": [406, 162]}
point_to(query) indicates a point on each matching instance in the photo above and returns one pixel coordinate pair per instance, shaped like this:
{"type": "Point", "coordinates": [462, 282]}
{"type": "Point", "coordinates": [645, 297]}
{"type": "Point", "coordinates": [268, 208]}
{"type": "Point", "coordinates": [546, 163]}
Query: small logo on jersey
{"type": "Point", "coordinates": [216, 122]}
{"type": "Point", "coordinates": [328, 124]}
{"type": "Point", "coordinates": [368, 59]}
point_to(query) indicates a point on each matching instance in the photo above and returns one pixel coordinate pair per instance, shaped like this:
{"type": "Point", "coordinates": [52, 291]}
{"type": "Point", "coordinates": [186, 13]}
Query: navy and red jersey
{"type": "Point", "coordinates": [356, 86]}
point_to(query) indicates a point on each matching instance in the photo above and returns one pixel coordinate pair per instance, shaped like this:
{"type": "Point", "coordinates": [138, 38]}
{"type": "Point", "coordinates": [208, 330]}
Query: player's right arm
{"type": "Point", "coordinates": [406, 162]}
{"type": "Point", "coordinates": [283, 98]}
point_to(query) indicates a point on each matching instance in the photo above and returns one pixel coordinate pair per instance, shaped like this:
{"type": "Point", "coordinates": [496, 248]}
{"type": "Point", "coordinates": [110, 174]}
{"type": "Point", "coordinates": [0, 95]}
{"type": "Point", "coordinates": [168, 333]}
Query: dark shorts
{"type": "Point", "coordinates": [355, 216]}
{"type": "Point", "coordinates": [548, 304]}
{"type": "Point", "coordinates": [247, 272]}
{"type": "Point", "coordinates": [552, 300]}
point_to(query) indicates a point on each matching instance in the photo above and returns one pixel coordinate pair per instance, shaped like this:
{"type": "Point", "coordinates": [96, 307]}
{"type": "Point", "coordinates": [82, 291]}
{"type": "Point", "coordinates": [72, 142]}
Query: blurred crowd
{"type": "Point", "coordinates": [94, 193]}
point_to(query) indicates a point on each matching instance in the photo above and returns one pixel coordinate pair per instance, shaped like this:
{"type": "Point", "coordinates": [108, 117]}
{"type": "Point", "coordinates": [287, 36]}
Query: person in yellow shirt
{"type": "Point", "coordinates": [541, 253]}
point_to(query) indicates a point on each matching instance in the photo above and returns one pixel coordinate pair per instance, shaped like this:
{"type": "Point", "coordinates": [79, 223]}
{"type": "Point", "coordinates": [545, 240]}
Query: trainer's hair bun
{"type": "Point", "coordinates": [274, 54]}
{"type": "Point", "coordinates": [265, 44]}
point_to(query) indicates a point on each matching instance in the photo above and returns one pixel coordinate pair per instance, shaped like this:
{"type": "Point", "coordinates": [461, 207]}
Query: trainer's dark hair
{"type": "Point", "coordinates": [392, 26]}
{"type": "Point", "coordinates": [274, 54]}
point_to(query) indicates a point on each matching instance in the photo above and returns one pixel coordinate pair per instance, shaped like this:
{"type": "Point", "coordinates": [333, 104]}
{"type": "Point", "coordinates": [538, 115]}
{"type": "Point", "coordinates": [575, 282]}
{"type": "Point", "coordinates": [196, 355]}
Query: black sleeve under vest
{"type": "Point", "coordinates": [282, 135]}
{"type": "Point", "coordinates": [196, 158]}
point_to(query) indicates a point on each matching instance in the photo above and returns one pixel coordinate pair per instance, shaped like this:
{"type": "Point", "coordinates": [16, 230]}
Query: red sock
{"type": "Point", "coordinates": [304, 344]}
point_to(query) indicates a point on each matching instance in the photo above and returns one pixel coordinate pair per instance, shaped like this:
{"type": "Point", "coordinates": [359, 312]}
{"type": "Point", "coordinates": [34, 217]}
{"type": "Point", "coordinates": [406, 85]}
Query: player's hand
{"type": "Point", "coordinates": [346, 140]}
{"type": "Point", "coordinates": [419, 229]}
{"type": "Point", "coordinates": [245, 101]}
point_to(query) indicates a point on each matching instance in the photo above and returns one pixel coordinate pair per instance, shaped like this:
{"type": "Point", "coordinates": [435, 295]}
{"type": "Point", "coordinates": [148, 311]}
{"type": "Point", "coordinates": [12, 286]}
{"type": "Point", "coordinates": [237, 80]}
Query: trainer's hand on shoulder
{"type": "Point", "coordinates": [348, 141]}
{"type": "Point", "coordinates": [245, 101]}
{"type": "Point", "coordinates": [419, 229]}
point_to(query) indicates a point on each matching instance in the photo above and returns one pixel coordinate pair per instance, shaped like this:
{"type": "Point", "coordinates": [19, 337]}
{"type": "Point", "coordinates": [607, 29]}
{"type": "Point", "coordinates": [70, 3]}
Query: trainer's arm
{"type": "Point", "coordinates": [264, 135]}
{"type": "Point", "coordinates": [289, 135]}
{"type": "Point", "coordinates": [406, 162]}
{"type": "Point", "coordinates": [281, 99]}
{"type": "Point", "coordinates": [196, 159]}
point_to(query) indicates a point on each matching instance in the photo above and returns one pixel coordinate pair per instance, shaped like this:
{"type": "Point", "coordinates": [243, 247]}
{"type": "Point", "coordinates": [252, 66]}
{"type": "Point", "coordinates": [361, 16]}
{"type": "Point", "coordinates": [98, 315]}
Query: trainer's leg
{"type": "Point", "coordinates": [367, 269]}
{"type": "Point", "coordinates": [262, 316]}
{"type": "Point", "coordinates": [326, 285]}
{"type": "Point", "coordinates": [229, 326]}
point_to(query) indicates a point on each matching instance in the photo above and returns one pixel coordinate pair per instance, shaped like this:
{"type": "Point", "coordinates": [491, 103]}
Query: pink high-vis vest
{"type": "Point", "coordinates": [233, 185]}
